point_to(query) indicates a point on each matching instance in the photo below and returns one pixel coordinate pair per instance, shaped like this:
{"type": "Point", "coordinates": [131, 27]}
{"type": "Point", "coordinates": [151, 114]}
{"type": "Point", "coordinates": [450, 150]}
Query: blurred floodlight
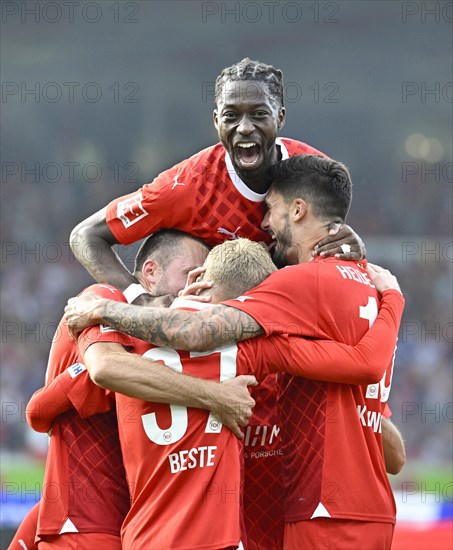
{"type": "Point", "coordinates": [436, 150]}
{"type": "Point", "coordinates": [420, 147]}
{"type": "Point", "coordinates": [413, 144]}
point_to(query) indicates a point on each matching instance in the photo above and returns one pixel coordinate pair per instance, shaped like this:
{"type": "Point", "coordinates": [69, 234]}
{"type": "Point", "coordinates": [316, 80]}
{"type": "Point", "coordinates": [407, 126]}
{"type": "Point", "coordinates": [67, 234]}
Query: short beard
{"type": "Point", "coordinates": [279, 258]}
{"type": "Point", "coordinates": [284, 241]}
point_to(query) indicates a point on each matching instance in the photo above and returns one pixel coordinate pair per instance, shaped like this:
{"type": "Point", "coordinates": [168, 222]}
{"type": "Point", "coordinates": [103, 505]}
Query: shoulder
{"type": "Point", "coordinates": [301, 276]}
{"type": "Point", "coordinates": [194, 168]}
{"type": "Point", "coordinates": [105, 291]}
{"type": "Point", "coordinates": [283, 281]}
{"type": "Point", "coordinates": [296, 147]}
{"type": "Point", "coordinates": [208, 156]}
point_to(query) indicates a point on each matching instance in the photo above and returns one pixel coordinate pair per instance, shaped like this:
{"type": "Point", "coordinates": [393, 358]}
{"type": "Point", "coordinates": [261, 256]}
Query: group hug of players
{"type": "Point", "coordinates": [138, 400]}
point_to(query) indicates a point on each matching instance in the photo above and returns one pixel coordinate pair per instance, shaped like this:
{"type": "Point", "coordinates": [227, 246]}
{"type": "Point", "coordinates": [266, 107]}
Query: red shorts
{"type": "Point", "coordinates": [80, 541]}
{"type": "Point", "coordinates": [338, 534]}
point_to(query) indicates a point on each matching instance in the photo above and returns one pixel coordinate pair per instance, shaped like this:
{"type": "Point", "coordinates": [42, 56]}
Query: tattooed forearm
{"type": "Point", "coordinates": [195, 331]}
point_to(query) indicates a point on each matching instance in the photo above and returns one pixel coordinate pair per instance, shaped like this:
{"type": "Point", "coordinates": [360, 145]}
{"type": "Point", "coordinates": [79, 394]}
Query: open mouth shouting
{"type": "Point", "coordinates": [247, 154]}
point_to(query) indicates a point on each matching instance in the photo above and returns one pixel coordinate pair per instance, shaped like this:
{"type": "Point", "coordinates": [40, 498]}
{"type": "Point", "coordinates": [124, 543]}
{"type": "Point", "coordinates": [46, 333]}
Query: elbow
{"type": "Point", "coordinates": [99, 372]}
{"type": "Point", "coordinates": [200, 346]}
{"type": "Point", "coordinates": [35, 421]}
{"type": "Point", "coordinates": [372, 373]}
{"type": "Point", "coordinates": [77, 237]}
{"type": "Point", "coordinates": [398, 462]}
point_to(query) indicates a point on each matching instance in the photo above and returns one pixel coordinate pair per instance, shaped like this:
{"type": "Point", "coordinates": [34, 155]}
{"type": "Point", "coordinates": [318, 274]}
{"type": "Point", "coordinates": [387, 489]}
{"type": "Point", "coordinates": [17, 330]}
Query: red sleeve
{"type": "Point", "coordinates": [286, 302]}
{"type": "Point", "coordinates": [46, 404]}
{"type": "Point", "coordinates": [167, 202]}
{"type": "Point", "coordinates": [102, 333]}
{"type": "Point", "coordinates": [331, 361]}
{"type": "Point", "coordinates": [26, 532]}
{"type": "Point", "coordinates": [70, 389]}
{"type": "Point", "coordinates": [364, 363]}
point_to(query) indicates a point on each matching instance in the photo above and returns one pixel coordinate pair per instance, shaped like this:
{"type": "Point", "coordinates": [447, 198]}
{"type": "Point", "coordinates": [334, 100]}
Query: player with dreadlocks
{"type": "Point", "coordinates": [218, 194]}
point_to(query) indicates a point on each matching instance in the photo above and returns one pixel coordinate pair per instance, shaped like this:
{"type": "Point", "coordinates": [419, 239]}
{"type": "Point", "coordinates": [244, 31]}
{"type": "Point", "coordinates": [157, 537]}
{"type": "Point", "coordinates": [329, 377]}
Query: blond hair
{"type": "Point", "coordinates": [237, 266]}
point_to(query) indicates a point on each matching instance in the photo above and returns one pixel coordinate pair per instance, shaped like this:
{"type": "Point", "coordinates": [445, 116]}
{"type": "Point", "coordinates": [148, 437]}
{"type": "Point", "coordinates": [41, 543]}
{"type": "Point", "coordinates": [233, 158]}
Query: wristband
{"type": "Point", "coordinates": [133, 291]}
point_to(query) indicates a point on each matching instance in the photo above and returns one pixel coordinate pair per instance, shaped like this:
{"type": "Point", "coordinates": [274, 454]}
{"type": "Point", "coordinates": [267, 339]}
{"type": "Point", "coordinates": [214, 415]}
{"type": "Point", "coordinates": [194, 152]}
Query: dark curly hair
{"type": "Point", "coordinates": [256, 71]}
{"type": "Point", "coordinates": [324, 183]}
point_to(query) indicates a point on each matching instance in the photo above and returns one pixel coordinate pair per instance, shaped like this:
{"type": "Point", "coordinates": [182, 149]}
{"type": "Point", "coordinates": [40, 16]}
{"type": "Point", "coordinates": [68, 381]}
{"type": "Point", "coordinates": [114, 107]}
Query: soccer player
{"type": "Point", "coordinates": [85, 495]}
{"type": "Point", "coordinates": [183, 468]}
{"type": "Point", "coordinates": [218, 193]}
{"type": "Point", "coordinates": [336, 486]}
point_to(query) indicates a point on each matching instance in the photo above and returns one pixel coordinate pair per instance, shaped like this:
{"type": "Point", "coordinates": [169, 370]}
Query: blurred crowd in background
{"type": "Point", "coordinates": [356, 89]}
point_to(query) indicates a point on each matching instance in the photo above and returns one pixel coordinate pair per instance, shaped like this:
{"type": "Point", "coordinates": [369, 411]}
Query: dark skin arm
{"type": "Point", "coordinates": [340, 234]}
{"type": "Point", "coordinates": [394, 451]}
{"type": "Point", "coordinates": [91, 242]}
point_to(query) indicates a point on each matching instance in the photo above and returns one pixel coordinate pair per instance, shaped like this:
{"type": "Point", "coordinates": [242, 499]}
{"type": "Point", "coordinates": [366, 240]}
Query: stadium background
{"type": "Point", "coordinates": [98, 97]}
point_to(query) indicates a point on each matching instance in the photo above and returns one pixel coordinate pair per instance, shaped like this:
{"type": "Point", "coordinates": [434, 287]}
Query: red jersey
{"type": "Point", "coordinates": [263, 492]}
{"type": "Point", "coordinates": [183, 466]}
{"type": "Point", "coordinates": [85, 488]}
{"type": "Point", "coordinates": [185, 475]}
{"type": "Point", "coordinates": [333, 462]}
{"type": "Point", "coordinates": [202, 196]}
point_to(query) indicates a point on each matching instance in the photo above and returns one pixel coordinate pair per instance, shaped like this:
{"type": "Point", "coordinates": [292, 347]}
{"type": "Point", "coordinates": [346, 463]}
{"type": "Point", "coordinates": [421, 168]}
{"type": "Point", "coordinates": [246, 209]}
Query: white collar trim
{"type": "Point", "coordinates": [192, 304]}
{"type": "Point", "coordinates": [240, 185]}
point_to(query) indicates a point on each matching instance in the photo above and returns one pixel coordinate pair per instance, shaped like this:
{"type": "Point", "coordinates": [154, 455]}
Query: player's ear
{"type": "Point", "coordinates": [150, 271]}
{"type": "Point", "coordinates": [215, 116]}
{"type": "Point", "coordinates": [281, 118]}
{"type": "Point", "coordinates": [299, 209]}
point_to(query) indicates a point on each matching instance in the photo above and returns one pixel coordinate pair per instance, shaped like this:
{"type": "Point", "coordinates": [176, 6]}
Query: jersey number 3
{"type": "Point", "coordinates": [179, 416]}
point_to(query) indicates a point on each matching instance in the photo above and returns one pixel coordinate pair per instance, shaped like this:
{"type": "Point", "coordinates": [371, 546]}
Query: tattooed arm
{"type": "Point", "coordinates": [178, 329]}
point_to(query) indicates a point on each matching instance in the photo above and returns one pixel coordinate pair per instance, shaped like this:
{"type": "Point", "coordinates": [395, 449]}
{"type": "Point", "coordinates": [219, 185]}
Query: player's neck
{"type": "Point", "coordinates": [145, 284]}
{"type": "Point", "coordinates": [260, 182]}
{"type": "Point", "coordinates": [309, 237]}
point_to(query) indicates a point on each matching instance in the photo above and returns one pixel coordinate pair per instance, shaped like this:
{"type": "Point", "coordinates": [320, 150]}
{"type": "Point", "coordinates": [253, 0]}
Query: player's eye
{"type": "Point", "coordinates": [260, 114]}
{"type": "Point", "coordinates": [230, 115]}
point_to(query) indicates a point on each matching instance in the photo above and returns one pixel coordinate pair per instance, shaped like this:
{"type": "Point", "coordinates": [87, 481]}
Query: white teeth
{"type": "Point", "coordinates": [246, 145]}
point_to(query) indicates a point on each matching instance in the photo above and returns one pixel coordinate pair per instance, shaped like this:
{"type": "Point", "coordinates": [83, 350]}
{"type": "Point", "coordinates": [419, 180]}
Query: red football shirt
{"type": "Point", "coordinates": [84, 488]}
{"type": "Point", "coordinates": [183, 466]}
{"type": "Point", "coordinates": [263, 492]}
{"type": "Point", "coordinates": [177, 491]}
{"type": "Point", "coordinates": [202, 196]}
{"type": "Point", "coordinates": [333, 462]}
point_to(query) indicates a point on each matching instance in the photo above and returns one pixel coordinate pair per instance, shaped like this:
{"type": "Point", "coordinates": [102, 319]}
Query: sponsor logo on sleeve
{"type": "Point", "coordinates": [130, 210]}
{"type": "Point", "coordinates": [75, 369]}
